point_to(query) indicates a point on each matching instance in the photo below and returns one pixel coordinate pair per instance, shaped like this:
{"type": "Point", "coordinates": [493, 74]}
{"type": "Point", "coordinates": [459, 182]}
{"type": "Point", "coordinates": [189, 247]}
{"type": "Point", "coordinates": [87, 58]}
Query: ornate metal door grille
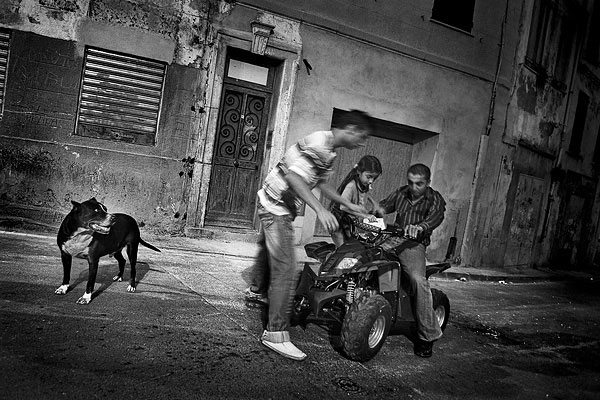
{"type": "Point", "coordinates": [237, 157]}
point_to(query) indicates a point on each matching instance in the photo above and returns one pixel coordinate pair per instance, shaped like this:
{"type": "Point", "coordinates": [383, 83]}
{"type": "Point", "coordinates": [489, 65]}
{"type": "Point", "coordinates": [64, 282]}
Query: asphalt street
{"type": "Point", "coordinates": [187, 334]}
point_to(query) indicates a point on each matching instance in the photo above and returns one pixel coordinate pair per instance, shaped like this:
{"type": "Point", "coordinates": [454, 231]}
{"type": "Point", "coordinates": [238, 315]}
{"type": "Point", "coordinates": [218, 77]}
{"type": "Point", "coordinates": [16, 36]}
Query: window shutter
{"type": "Point", "coordinates": [4, 43]}
{"type": "Point", "coordinates": [120, 97]}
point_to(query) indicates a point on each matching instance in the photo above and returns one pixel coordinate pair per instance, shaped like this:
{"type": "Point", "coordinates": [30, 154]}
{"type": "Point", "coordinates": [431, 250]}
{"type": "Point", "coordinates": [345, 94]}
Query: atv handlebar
{"type": "Point", "coordinates": [390, 229]}
{"type": "Point", "coordinates": [378, 235]}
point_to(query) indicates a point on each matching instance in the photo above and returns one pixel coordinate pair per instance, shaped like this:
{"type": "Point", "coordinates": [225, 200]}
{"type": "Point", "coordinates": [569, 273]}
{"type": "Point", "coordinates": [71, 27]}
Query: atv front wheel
{"type": "Point", "coordinates": [441, 307]}
{"type": "Point", "coordinates": [365, 327]}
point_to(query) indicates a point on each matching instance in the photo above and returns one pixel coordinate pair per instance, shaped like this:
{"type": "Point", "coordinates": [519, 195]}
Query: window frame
{"type": "Point", "coordinates": [547, 18]}
{"type": "Point", "coordinates": [443, 12]}
{"type": "Point", "coordinates": [120, 97]}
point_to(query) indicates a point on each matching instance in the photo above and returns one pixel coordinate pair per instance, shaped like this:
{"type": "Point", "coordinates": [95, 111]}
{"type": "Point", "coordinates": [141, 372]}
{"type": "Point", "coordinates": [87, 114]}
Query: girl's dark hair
{"type": "Point", "coordinates": [366, 163]}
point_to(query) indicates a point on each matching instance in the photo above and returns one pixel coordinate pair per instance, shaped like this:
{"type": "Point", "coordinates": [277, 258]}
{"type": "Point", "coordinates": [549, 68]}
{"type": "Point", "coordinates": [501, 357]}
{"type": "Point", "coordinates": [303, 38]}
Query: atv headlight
{"type": "Point", "coordinates": [346, 263]}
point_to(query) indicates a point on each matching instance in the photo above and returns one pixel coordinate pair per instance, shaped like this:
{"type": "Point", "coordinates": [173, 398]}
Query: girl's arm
{"type": "Point", "coordinates": [349, 193]}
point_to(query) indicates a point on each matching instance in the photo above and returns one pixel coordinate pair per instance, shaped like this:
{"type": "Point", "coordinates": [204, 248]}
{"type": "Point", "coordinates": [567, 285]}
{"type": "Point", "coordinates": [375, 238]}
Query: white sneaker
{"type": "Point", "coordinates": [280, 342]}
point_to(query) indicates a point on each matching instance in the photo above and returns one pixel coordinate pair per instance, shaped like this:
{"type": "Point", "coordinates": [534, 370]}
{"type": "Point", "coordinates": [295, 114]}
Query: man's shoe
{"type": "Point", "coordinates": [423, 348]}
{"type": "Point", "coordinates": [280, 343]}
{"type": "Point", "coordinates": [254, 297]}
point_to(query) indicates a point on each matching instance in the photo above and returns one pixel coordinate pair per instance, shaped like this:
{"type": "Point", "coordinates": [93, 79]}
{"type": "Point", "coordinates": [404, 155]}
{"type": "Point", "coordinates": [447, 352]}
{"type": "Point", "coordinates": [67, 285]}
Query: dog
{"type": "Point", "coordinates": [90, 232]}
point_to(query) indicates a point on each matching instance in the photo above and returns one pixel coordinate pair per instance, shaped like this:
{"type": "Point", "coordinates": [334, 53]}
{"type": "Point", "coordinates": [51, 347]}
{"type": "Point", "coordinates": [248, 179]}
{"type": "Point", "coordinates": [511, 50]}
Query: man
{"type": "Point", "coordinates": [420, 210]}
{"type": "Point", "coordinates": [306, 165]}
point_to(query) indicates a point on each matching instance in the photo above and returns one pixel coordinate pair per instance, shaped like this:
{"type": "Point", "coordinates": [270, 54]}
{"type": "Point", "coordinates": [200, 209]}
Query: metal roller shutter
{"type": "Point", "coordinates": [120, 97]}
{"type": "Point", "coordinates": [4, 43]}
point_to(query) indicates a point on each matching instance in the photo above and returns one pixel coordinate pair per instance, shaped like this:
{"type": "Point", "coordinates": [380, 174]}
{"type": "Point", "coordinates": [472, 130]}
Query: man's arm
{"type": "Point", "coordinates": [303, 191]}
{"type": "Point", "coordinates": [435, 216]}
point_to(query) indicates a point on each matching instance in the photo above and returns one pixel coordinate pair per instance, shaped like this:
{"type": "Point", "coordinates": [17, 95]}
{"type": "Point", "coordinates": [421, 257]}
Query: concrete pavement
{"type": "Point", "coordinates": [186, 333]}
{"type": "Point", "coordinates": [248, 251]}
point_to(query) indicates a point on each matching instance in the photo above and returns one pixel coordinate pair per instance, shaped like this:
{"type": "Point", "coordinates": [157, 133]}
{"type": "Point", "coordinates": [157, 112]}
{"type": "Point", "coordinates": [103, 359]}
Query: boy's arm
{"type": "Point", "coordinates": [303, 191]}
{"type": "Point", "coordinates": [333, 195]}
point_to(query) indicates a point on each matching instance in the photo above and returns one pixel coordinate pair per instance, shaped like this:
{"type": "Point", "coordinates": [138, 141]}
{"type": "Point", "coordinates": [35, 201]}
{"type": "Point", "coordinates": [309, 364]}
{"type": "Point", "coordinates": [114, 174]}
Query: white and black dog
{"type": "Point", "coordinates": [90, 232]}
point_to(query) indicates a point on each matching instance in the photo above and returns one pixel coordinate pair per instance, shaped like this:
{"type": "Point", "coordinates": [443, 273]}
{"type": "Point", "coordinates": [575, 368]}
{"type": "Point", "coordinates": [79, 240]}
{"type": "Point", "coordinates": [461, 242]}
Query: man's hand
{"type": "Point", "coordinates": [412, 231]}
{"type": "Point", "coordinates": [328, 220]}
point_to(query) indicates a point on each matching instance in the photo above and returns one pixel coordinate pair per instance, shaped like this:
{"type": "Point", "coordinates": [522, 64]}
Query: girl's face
{"type": "Point", "coordinates": [366, 178]}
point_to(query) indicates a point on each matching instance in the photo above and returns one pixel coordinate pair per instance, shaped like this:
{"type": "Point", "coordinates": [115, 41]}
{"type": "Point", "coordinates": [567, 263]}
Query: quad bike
{"type": "Point", "coordinates": [355, 292]}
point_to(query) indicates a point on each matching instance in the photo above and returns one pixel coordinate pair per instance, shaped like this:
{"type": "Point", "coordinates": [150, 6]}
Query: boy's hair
{"type": "Point", "coordinates": [420, 169]}
{"type": "Point", "coordinates": [366, 163]}
{"type": "Point", "coordinates": [358, 118]}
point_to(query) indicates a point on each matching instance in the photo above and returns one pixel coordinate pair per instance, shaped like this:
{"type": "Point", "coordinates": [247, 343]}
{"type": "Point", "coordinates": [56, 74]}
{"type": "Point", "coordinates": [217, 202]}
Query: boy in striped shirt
{"type": "Point", "coordinates": [305, 165]}
{"type": "Point", "coordinates": [419, 210]}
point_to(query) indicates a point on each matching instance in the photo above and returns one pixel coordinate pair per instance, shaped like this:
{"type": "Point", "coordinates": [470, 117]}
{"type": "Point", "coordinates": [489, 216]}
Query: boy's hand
{"type": "Point", "coordinates": [328, 220]}
{"type": "Point", "coordinates": [412, 231]}
{"type": "Point", "coordinates": [357, 210]}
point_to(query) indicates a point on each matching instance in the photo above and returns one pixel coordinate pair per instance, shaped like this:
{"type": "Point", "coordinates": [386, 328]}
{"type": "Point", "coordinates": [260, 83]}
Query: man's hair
{"type": "Point", "coordinates": [358, 118]}
{"type": "Point", "coordinates": [420, 169]}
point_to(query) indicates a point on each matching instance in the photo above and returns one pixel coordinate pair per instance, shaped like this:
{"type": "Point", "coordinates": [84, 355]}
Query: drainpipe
{"type": "Point", "coordinates": [471, 224]}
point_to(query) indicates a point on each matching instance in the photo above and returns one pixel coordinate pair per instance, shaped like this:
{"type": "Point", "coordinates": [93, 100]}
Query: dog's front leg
{"type": "Point", "coordinates": [66, 262]}
{"type": "Point", "coordinates": [93, 270]}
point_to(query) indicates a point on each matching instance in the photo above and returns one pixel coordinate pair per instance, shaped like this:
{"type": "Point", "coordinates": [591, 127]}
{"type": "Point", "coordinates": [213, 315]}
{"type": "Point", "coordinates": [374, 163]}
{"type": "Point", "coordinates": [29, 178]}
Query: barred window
{"type": "Point", "coordinates": [4, 50]}
{"type": "Point", "coordinates": [553, 30]}
{"type": "Point", "coordinates": [120, 97]}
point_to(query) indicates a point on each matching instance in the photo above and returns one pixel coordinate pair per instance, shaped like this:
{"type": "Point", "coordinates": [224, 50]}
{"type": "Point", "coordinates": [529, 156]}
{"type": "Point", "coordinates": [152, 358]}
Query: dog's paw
{"type": "Point", "coordinates": [131, 288]}
{"type": "Point", "coordinates": [85, 299]}
{"type": "Point", "coordinates": [62, 289]}
{"type": "Point", "coordinates": [117, 278]}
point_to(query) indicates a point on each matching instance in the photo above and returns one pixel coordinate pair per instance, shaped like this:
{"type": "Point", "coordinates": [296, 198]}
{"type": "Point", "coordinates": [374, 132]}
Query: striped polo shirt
{"type": "Point", "coordinates": [427, 212]}
{"type": "Point", "coordinates": [311, 159]}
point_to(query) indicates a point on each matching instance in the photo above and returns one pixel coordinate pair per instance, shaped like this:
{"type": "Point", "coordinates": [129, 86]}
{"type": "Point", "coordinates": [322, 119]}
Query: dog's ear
{"type": "Point", "coordinates": [93, 199]}
{"type": "Point", "coordinates": [75, 204]}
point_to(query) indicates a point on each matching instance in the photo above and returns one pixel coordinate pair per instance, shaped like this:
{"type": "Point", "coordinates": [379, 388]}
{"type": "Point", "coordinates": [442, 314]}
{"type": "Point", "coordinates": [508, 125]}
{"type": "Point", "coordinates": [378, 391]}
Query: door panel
{"type": "Point", "coordinates": [524, 220]}
{"type": "Point", "coordinates": [237, 157]}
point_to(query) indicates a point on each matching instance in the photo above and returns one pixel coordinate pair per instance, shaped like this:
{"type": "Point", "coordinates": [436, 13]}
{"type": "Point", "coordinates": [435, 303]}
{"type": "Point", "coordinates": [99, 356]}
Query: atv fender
{"type": "Point", "coordinates": [388, 276]}
{"type": "Point", "coordinates": [319, 298]}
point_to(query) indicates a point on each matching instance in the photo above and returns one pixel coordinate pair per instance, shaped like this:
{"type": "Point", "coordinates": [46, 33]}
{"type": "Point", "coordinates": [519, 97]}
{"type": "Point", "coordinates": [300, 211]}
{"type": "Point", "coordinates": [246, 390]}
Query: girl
{"type": "Point", "coordinates": [355, 187]}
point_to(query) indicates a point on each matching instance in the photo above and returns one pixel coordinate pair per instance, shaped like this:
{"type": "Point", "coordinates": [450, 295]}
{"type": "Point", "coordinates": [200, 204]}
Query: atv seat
{"type": "Point", "coordinates": [319, 250]}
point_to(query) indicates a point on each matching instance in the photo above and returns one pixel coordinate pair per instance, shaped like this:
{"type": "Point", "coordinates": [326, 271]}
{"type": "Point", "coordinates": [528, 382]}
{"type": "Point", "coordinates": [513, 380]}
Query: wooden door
{"type": "Point", "coordinates": [524, 220]}
{"type": "Point", "coordinates": [395, 161]}
{"type": "Point", "coordinates": [237, 157]}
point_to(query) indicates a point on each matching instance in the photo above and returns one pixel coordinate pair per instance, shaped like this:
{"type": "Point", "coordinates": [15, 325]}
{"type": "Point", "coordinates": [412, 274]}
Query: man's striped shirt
{"type": "Point", "coordinates": [427, 212]}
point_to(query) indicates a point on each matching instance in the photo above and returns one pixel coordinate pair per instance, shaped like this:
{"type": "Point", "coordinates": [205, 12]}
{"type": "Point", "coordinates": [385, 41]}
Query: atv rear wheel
{"type": "Point", "coordinates": [441, 307]}
{"type": "Point", "coordinates": [365, 327]}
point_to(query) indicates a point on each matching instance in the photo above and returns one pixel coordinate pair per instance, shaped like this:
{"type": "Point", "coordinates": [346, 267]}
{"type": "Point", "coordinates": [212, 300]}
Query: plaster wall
{"type": "Point", "coordinates": [533, 124]}
{"type": "Point", "coordinates": [37, 127]}
{"type": "Point", "coordinates": [398, 89]}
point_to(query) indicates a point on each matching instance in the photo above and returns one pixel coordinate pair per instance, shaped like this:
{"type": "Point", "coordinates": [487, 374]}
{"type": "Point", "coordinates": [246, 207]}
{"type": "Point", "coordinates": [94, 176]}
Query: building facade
{"type": "Point", "coordinates": [173, 111]}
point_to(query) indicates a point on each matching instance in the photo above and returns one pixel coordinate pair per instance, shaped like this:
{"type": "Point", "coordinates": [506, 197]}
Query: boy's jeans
{"type": "Point", "coordinates": [412, 258]}
{"type": "Point", "coordinates": [275, 270]}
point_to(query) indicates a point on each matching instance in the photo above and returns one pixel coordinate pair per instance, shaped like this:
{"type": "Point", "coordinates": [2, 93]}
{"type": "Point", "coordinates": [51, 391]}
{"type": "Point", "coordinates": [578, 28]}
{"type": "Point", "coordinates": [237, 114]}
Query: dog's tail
{"type": "Point", "coordinates": [148, 245]}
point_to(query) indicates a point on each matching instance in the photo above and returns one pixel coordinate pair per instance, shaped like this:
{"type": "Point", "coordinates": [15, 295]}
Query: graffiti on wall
{"type": "Point", "coordinates": [43, 86]}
